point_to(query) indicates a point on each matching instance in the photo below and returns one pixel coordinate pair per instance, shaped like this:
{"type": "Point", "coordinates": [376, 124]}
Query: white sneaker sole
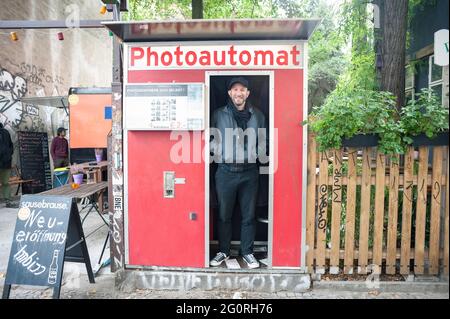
{"type": "Point", "coordinates": [251, 266]}
{"type": "Point", "coordinates": [217, 265]}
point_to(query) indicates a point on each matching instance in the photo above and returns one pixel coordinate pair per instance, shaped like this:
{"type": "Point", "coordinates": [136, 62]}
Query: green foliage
{"type": "Point", "coordinates": [158, 10]}
{"type": "Point", "coordinates": [325, 48]}
{"type": "Point", "coordinates": [235, 9]}
{"type": "Point", "coordinates": [424, 114]}
{"type": "Point", "coordinates": [355, 25]}
{"type": "Point", "coordinates": [346, 113]}
{"type": "Point", "coordinates": [360, 74]}
{"type": "Point", "coordinates": [212, 9]}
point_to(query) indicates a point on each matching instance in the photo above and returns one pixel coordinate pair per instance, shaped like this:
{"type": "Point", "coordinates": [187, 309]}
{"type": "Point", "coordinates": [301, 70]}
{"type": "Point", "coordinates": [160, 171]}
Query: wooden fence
{"type": "Point", "coordinates": [368, 212]}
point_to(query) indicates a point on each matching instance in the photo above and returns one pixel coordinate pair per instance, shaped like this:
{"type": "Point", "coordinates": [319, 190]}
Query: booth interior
{"type": "Point", "coordinates": [259, 98]}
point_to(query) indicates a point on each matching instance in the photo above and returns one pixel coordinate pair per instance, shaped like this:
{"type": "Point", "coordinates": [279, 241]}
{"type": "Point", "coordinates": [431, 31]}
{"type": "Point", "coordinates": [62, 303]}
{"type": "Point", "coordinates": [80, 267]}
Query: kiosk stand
{"type": "Point", "coordinates": [174, 78]}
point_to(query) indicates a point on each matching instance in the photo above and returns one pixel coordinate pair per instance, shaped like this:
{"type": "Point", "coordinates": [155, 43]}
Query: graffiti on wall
{"type": "Point", "coordinates": [37, 76]}
{"type": "Point", "coordinates": [16, 115]}
{"type": "Point", "coordinates": [12, 88]}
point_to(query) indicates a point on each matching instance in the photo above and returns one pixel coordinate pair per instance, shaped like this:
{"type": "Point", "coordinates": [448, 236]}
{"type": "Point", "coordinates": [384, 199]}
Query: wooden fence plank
{"type": "Point", "coordinates": [311, 203]}
{"type": "Point", "coordinates": [350, 212]}
{"type": "Point", "coordinates": [336, 211]}
{"type": "Point", "coordinates": [407, 212]}
{"type": "Point", "coordinates": [392, 215]}
{"type": "Point", "coordinates": [419, 243]}
{"type": "Point", "coordinates": [365, 212]}
{"type": "Point", "coordinates": [322, 206]}
{"type": "Point", "coordinates": [446, 237]}
{"type": "Point", "coordinates": [435, 218]}
{"type": "Point", "coordinates": [379, 210]}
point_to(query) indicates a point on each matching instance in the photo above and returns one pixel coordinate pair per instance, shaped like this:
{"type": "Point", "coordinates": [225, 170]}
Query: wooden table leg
{"type": "Point", "coordinates": [100, 202]}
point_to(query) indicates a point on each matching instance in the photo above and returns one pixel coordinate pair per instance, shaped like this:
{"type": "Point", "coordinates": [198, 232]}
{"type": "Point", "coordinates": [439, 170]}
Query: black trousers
{"type": "Point", "coordinates": [60, 162]}
{"type": "Point", "coordinates": [234, 183]}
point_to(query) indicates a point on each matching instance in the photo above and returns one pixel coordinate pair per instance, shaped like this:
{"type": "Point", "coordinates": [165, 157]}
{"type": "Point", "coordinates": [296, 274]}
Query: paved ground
{"type": "Point", "coordinates": [104, 289]}
{"type": "Point", "coordinates": [76, 285]}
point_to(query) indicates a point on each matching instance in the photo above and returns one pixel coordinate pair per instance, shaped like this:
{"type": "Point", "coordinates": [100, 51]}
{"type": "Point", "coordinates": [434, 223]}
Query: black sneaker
{"type": "Point", "coordinates": [251, 261]}
{"type": "Point", "coordinates": [220, 258]}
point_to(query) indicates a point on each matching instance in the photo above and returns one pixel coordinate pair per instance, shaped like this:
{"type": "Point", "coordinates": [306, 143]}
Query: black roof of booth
{"type": "Point", "coordinates": [210, 30]}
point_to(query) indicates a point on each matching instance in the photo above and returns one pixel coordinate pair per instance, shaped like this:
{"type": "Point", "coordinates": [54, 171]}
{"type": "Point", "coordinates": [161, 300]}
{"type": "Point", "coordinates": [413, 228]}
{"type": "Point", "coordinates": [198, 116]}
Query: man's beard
{"type": "Point", "coordinates": [238, 104]}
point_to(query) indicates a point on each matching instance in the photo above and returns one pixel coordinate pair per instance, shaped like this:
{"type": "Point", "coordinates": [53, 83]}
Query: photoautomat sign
{"type": "Point", "coordinates": [278, 56]}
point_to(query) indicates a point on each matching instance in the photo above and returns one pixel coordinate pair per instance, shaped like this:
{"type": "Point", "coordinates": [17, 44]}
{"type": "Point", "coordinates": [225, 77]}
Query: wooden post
{"type": "Point", "coordinates": [350, 214]}
{"type": "Point", "coordinates": [379, 210]}
{"type": "Point", "coordinates": [365, 212]}
{"type": "Point", "coordinates": [407, 210]}
{"type": "Point", "coordinates": [393, 216]}
{"type": "Point", "coordinates": [446, 238]}
{"type": "Point", "coordinates": [311, 203]}
{"type": "Point", "coordinates": [435, 222]}
{"type": "Point", "coordinates": [421, 211]}
{"type": "Point", "coordinates": [116, 212]}
{"type": "Point", "coordinates": [322, 207]}
{"type": "Point", "coordinates": [336, 212]}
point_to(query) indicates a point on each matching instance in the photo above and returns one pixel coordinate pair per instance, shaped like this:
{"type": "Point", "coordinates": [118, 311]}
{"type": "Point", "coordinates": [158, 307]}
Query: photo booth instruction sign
{"type": "Point", "coordinates": [165, 107]}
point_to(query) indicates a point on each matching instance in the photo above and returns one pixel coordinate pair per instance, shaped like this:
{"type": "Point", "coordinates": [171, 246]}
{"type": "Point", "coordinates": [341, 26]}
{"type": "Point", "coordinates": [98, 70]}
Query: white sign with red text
{"type": "Point", "coordinates": [278, 56]}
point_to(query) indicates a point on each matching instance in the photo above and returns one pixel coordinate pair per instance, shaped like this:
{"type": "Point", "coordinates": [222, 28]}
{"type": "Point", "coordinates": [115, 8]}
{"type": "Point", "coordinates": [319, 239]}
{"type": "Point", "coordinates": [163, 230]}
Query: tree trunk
{"type": "Point", "coordinates": [392, 46]}
{"type": "Point", "coordinates": [197, 9]}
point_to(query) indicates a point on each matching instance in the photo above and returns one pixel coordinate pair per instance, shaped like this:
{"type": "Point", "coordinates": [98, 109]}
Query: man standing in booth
{"type": "Point", "coordinates": [60, 149]}
{"type": "Point", "coordinates": [236, 130]}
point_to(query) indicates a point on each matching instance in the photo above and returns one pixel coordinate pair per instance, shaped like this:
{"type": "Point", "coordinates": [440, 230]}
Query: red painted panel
{"type": "Point", "coordinates": [159, 229]}
{"type": "Point", "coordinates": [160, 232]}
{"type": "Point", "coordinates": [287, 209]}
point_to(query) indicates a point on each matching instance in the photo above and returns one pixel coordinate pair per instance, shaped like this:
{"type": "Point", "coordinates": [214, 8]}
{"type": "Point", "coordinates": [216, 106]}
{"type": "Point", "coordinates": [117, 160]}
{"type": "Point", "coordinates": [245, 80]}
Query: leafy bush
{"type": "Point", "coordinates": [424, 114]}
{"type": "Point", "coordinates": [346, 113]}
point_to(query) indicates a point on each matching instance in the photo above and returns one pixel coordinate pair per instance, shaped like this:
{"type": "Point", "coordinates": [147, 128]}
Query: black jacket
{"type": "Point", "coordinates": [6, 149]}
{"type": "Point", "coordinates": [225, 147]}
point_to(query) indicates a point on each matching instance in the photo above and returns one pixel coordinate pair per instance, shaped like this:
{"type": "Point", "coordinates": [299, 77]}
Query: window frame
{"type": "Point", "coordinates": [440, 82]}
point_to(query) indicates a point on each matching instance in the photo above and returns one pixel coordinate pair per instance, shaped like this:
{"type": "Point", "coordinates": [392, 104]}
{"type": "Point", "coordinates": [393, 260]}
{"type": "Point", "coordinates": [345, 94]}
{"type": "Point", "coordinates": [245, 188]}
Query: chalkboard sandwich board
{"type": "Point", "coordinates": [34, 161]}
{"type": "Point", "coordinates": [48, 232]}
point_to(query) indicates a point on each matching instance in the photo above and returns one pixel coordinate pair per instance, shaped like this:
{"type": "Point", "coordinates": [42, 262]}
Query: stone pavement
{"type": "Point", "coordinates": [76, 284]}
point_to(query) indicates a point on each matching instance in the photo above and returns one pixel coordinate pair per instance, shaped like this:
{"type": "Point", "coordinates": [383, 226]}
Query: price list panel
{"type": "Point", "coordinates": [165, 107]}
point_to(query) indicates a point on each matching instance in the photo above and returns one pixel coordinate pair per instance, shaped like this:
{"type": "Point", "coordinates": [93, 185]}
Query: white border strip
{"type": "Point", "coordinates": [125, 158]}
{"type": "Point", "coordinates": [305, 156]}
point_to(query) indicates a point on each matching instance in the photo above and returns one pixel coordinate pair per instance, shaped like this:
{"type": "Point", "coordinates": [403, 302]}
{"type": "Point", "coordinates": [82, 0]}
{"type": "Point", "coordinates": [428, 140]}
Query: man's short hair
{"type": "Point", "coordinates": [240, 80]}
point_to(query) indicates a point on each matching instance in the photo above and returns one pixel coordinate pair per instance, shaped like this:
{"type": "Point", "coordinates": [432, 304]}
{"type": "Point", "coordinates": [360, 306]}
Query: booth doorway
{"type": "Point", "coordinates": [261, 96]}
